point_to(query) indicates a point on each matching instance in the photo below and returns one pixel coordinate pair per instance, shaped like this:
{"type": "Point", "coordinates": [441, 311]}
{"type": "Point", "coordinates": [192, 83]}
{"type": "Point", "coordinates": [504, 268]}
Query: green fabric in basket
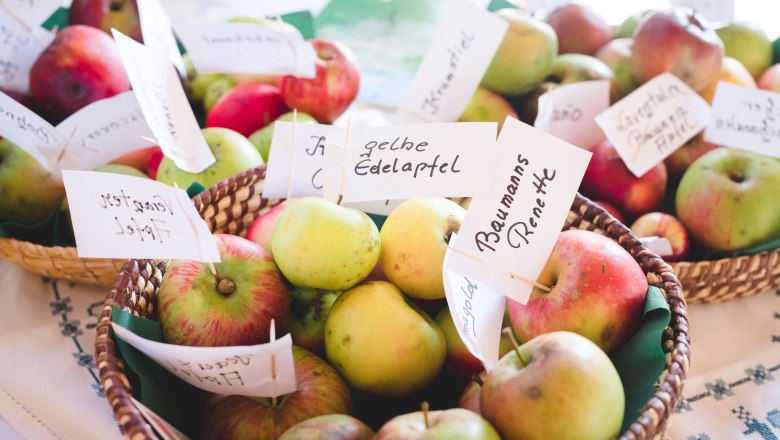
{"type": "Point", "coordinates": [641, 359]}
{"type": "Point", "coordinates": [176, 401]}
{"type": "Point", "coordinates": [43, 232]}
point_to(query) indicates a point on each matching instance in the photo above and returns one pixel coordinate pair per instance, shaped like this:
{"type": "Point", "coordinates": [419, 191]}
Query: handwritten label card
{"type": "Point", "coordinates": [568, 112]}
{"type": "Point", "coordinates": [19, 49]}
{"type": "Point", "coordinates": [32, 12]}
{"type": "Point", "coordinates": [658, 245]}
{"type": "Point", "coordinates": [296, 158]}
{"type": "Point", "coordinates": [157, 32]}
{"type": "Point", "coordinates": [164, 105]}
{"type": "Point", "coordinates": [477, 311]}
{"type": "Point", "coordinates": [539, 5]}
{"type": "Point", "coordinates": [720, 12]}
{"type": "Point", "coordinates": [515, 218]}
{"type": "Point", "coordinates": [654, 120]}
{"type": "Point", "coordinates": [104, 131]}
{"type": "Point", "coordinates": [405, 161]}
{"type": "Point", "coordinates": [29, 131]}
{"type": "Point", "coordinates": [243, 370]}
{"type": "Point", "coordinates": [247, 48]}
{"type": "Point", "coordinates": [116, 216]}
{"type": "Point", "coordinates": [454, 65]}
{"type": "Point", "coordinates": [746, 118]}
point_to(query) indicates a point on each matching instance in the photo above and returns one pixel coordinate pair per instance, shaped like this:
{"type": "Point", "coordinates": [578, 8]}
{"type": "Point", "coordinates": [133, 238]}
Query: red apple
{"type": "Point", "coordinates": [329, 427]}
{"type": "Point", "coordinates": [22, 98]}
{"type": "Point", "coordinates": [333, 89]}
{"type": "Point", "coordinates": [659, 224]}
{"type": "Point", "coordinates": [138, 159]}
{"type": "Point", "coordinates": [121, 15]}
{"type": "Point", "coordinates": [81, 66]}
{"type": "Point", "coordinates": [247, 108]}
{"type": "Point", "coordinates": [262, 228]}
{"type": "Point", "coordinates": [459, 361]}
{"type": "Point", "coordinates": [320, 392]}
{"type": "Point", "coordinates": [153, 163]}
{"type": "Point", "coordinates": [611, 210]}
{"type": "Point", "coordinates": [235, 306]}
{"type": "Point", "coordinates": [770, 79]}
{"type": "Point", "coordinates": [471, 394]}
{"type": "Point", "coordinates": [679, 161]}
{"type": "Point", "coordinates": [598, 291]}
{"type": "Point", "coordinates": [678, 41]}
{"type": "Point", "coordinates": [607, 178]}
{"type": "Point", "coordinates": [579, 29]}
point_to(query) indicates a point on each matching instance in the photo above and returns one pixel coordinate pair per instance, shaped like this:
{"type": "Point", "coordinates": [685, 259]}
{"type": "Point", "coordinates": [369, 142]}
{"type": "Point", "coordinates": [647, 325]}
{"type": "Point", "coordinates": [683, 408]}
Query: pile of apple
{"type": "Point", "coordinates": [358, 303]}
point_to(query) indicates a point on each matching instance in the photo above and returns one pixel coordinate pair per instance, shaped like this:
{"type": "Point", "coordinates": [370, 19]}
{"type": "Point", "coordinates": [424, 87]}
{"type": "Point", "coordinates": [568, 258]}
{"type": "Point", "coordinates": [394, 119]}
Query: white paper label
{"type": "Point", "coordinates": [744, 117]}
{"type": "Point", "coordinates": [477, 311]}
{"type": "Point", "coordinates": [454, 65]}
{"type": "Point", "coordinates": [29, 131]}
{"type": "Point", "coordinates": [658, 245]}
{"type": "Point", "coordinates": [522, 202]}
{"type": "Point", "coordinates": [157, 32]}
{"type": "Point", "coordinates": [296, 159]}
{"type": "Point", "coordinates": [242, 370]}
{"type": "Point", "coordinates": [19, 49]}
{"type": "Point", "coordinates": [247, 48]}
{"type": "Point", "coordinates": [117, 216]}
{"type": "Point", "coordinates": [32, 12]}
{"type": "Point", "coordinates": [405, 161]}
{"type": "Point", "coordinates": [539, 5]}
{"type": "Point", "coordinates": [104, 131]}
{"type": "Point", "coordinates": [164, 105]}
{"type": "Point", "coordinates": [654, 120]}
{"type": "Point", "coordinates": [568, 112]}
{"type": "Point", "coordinates": [720, 12]}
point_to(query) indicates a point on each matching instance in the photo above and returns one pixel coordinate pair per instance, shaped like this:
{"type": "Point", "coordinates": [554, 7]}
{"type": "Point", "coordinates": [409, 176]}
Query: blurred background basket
{"type": "Point", "coordinates": [231, 205]}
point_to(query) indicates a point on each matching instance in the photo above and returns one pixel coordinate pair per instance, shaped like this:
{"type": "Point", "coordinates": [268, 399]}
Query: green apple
{"type": "Point", "coordinates": [617, 56]}
{"type": "Point", "coordinates": [308, 310]}
{"type": "Point", "coordinates": [329, 427]}
{"type": "Point", "coordinates": [486, 106]}
{"type": "Point", "coordinates": [629, 25]}
{"type": "Point", "coordinates": [234, 154]}
{"type": "Point", "coordinates": [414, 241]}
{"type": "Point", "coordinates": [524, 57]}
{"type": "Point", "coordinates": [381, 343]}
{"type": "Point", "coordinates": [749, 44]}
{"type": "Point", "coordinates": [728, 199]}
{"type": "Point", "coordinates": [28, 192]}
{"type": "Point", "coordinates": [215, 89]}
{"type": "Point", "coordinates": [450, 424]}
{"type": "Point", "coordinates": [322, 245]}
{"type": "Point", "coordinates": [261, 139]}
{"type": "Point", "coordinates": [558, 385]}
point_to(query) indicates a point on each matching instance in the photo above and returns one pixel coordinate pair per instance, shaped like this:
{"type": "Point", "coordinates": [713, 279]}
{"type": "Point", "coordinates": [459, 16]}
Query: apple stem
{"type": "Point", "coordinates": [425, 407]}
{"type": "Point", "coordinates": [509, 334]}
{"type": "Point", "coordinates": [226, 287]}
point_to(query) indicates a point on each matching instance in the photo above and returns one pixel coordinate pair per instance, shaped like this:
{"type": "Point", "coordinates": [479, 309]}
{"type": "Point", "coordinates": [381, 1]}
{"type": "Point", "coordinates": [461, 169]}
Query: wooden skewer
{"type": "Point", "coordinates": [511, 274]}
{"type": "Point", "coordinates": [273, 359]}
{"type": "Point", "coordinates": [346, 145]}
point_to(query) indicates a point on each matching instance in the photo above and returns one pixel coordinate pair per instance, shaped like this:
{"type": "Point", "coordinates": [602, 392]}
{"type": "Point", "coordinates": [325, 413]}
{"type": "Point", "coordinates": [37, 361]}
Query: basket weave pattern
{"type": "Point", "coordinates": [231, 205]}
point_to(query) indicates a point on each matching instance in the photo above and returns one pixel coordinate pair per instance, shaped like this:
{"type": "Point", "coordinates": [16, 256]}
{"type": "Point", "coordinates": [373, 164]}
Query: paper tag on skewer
{"type": "Point", "coordinates": [568, 112]}
{"type": "Point", "coordinates": [158, 33]}
{"type": "Point", "coordinates": [164, 105]}
{"type": "Point", "coordinates": [454, 65]}
{"type": "Point", "coordinates": [29, 131]}
{"type": "Point", "coordinates": [32, 12]}
{"type": "Point", "coordinates": [747, 118]}
{"type": "Point", "coordinates": [223, 48]}
{"type": "Point", "coordinates": [653, 121]}
{"type": "Point", "coordinates": [658, 245]}
{"type": "Point", "coordinates": [20, 47]}
{"type": "Point", "coordinates": [519, 209]}
{"type": "Point", "coordinates": [242, 370]}
{"type": "Point", "coordinates": [117, 216]}
{"type": "Point", "coordinates": [477, 311]}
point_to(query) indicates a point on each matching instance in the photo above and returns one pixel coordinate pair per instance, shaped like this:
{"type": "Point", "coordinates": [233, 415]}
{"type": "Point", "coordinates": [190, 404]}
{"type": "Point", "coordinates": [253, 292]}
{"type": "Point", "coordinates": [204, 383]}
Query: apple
{"type": "Point", "coordinates": [749, 44]}
{"type": "Point", "coordinates": [724, 199]}
{"type": "Point", "coordinates": [678, 41]}
{"type": "Point", "coordinates": [121, 169]}
{"type": "Point", "coordinates": [334, 87]}
{"type": "Point", "coordinates": [627, 28]}
{"type": "Point", "coordinates": [247, 108]}
{"type": "Point", "coordinates": [607, 178]}
{"type": "Point", "coordinates": [309, 308]}
{"type": "Point", "coordinates": [153, 163]}
{"type": "Point", "coordinates": [262, 228]}
{"type": "Point", "coordinates": [617, 56]}
{"type": "Point", "coordinates": [731, 71]}
{"type": "Point", "coordinates": [382, 344]}
{"type": "Point", "coordinates": [329, 427]}
{"type": "Point", "coordinates": [454, 423]}
{"type": "Point", "coordinates": [262, 138]}
{"type": "Point", "coordinates": [234, 306]}
{"type": "Point", "coordinates": [611, 210]}
{"type": "Point", "coordinates": [81, 66]}
{"type": "Point", "coordinates": [486, 106]}
{"type": "Point", "coordinates": [471, 395]}
{"type": "Point", "coordinates": [138, 159]}
{"type": "Point", "coordinates": [556, 386]}
{"type": "Point", "coordinates": [22, 98]}
{"type": "Point", "coordinates": [770, 79]}
{"type": "Point", "coordinates": [320, 391]}
{"type": "Point", "coordinates": [121, 15]}
{"type": "Point", "coordinates": [682, 158]}
{"type": "Point", "coordinates": [598, 291]}
{"type": "Point", "coordinates": [659, 224]}
{"type": "Point", "coordinates": [524, 56]}
{"type": "Point", "coordinates": [579, 28]}
{"type": "Point", "coordinates": [322, 245]}
{"type": "Point", "coordinates": [215, 90]}
{"type": "Point", "coordinates": [414, 241]}
{"type": "Point", "coordinates": [28, 192]}
{"type": "Point", "coordinates": [234, 154]}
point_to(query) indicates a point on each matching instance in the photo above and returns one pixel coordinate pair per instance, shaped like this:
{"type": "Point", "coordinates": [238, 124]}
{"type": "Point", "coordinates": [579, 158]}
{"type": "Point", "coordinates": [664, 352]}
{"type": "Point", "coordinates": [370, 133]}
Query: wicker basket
{"type": "Point", "coordinates": [231, 205]}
